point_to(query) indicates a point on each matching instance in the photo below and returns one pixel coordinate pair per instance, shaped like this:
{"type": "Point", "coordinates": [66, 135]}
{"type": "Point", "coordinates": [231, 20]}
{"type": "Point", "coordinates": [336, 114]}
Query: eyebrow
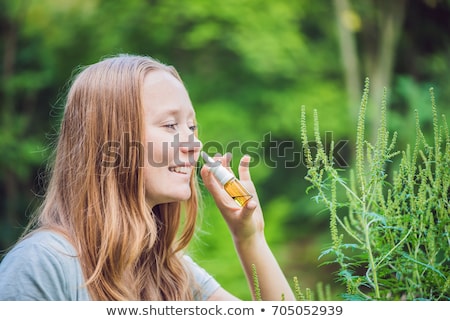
{"type": "Point", "coordinates": [175, 110]}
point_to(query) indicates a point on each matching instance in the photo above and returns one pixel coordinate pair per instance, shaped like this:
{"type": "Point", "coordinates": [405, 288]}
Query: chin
{"type": "Point", "coordinates": [181, 197]}
{"type": "Point", "coordinates": [186, 197]}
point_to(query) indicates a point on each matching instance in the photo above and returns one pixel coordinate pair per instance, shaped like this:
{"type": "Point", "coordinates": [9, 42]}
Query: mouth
{"type": "Point", "coordinates": [180, 169]}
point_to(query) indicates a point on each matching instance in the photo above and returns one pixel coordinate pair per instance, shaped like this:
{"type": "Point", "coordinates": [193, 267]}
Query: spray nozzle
{"type": "Point", "coordinates": [209, 161]}
{"type": "Point", "coordinates": [222, 174]}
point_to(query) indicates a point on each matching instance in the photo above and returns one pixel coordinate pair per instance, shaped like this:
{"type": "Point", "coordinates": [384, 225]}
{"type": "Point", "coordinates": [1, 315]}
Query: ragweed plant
{"type": "Point", "coordinates": [299, 296]}
{"type": "Point", "coordinates": [256, 283]}
{"type": "Point", "coordinates": [389, 212]}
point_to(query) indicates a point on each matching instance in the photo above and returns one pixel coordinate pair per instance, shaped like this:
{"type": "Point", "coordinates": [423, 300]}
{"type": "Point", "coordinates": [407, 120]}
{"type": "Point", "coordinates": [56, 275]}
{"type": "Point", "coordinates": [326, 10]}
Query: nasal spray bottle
{"type": "Point", "coordinates": [230, 183]}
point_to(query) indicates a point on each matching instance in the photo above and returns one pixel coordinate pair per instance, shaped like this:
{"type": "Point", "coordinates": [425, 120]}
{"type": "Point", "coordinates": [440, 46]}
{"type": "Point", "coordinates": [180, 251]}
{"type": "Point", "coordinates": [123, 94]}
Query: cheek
{"type": "Point", "coordinates": [154, 179]}
{"type": "Point", "coordinates": [158, 153]}
{"type": "Point", "coordinates": [155, 154]}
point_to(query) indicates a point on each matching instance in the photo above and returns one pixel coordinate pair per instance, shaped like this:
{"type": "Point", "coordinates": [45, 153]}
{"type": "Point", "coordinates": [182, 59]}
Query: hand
{"type": "Point", "coordinates": [246, 223]}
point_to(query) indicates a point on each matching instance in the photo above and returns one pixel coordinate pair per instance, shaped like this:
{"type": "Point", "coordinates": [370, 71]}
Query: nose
{"type": "Point", "coordinates": [189, 145]}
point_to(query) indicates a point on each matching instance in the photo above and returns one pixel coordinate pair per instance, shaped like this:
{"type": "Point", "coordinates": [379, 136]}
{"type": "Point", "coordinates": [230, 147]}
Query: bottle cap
{"type": "Point", "coordinates": [221, 173]}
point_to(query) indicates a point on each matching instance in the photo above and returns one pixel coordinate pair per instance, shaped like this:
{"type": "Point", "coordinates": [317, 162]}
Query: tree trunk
{"type": "Point", "coordinates": [349, 57]}
{"type": "Point", "coordinates": [391, 17]}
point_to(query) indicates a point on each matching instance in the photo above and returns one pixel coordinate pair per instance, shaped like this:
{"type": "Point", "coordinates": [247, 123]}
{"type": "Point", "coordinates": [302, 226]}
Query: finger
{"type": "Point", "coordinates": [244, 168]}
{"type": "Point", "coordinates": [226, 160]}
{"type": "Point", "coordinates": [249, 208]}
{"type": "Point", "coordinates": [209, 180]}
{"type": "Point", "coordinates": [215, 188]}
{"type": "Point", "coordinates": [211, 184]}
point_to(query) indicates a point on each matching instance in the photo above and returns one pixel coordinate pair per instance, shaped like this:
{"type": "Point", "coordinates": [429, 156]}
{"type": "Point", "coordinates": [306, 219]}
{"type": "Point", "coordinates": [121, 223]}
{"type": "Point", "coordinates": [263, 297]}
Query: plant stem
{"type": "Point", "coordinates": [371, 261]}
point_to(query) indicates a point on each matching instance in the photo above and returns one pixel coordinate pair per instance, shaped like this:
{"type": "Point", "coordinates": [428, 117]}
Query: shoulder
{"type": "Point", "coordinates": [42, 266]}
{"type": "Point", "coordinates": [204, 285]}
{"type": "Point", "coordinates": [45, 240]}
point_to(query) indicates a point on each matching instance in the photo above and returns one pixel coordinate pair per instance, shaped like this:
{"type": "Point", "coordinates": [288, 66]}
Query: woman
{"type": "Point", "coordinates": [122, 201]}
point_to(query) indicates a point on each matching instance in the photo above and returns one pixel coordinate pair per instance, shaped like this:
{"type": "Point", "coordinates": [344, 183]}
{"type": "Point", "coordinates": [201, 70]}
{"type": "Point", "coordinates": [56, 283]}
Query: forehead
{"type": "Point", "coordinates": [163, 92]}
{"type": "Point", "coordinates": [159, 76]}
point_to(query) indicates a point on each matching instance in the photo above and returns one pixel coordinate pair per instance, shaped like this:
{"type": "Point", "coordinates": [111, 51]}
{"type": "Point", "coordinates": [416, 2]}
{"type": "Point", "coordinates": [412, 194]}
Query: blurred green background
{"type": "Point", "coordinates": [249, 65]}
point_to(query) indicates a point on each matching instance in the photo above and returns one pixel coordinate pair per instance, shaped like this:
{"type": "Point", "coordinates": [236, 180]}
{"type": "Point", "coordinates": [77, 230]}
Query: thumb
{"type": "Point", "coordinates": [249, 208]}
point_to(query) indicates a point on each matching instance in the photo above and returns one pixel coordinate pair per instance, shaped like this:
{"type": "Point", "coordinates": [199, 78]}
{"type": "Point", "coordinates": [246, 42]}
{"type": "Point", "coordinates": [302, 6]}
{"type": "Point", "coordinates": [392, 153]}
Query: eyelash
{"type": "Point", "coordinates": [173, 126]}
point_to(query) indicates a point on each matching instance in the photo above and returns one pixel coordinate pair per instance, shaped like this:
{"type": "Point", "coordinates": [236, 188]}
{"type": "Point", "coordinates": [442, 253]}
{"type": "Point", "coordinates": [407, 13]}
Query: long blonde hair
{"type": "Point", "coordinates": [127, 250]}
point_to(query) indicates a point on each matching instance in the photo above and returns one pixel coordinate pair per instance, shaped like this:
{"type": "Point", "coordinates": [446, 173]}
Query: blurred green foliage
{"type": "Point", "coordinates": [249, 65]}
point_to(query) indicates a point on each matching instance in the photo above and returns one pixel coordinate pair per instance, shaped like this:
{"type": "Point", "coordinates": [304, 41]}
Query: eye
{"type": "Point", "coordinates": [172, 126]}
{"type": "Point", "coordinates": [193, 128]}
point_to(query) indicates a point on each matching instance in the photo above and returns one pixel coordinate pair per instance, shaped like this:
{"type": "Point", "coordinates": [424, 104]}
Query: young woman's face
{"type": "Point", "coordinates": [172, 148]}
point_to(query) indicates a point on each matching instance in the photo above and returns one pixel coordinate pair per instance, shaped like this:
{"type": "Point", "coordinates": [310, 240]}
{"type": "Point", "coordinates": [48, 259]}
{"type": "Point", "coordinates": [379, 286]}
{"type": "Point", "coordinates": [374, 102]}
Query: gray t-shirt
{"type": "Point", "coordinates": [45, 267]}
